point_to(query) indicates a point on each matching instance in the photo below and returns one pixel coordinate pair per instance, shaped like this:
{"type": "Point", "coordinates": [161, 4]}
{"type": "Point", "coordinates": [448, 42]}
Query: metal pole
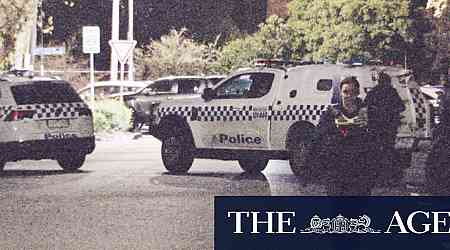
{"type": "Point", "coordinates": [33, 40]}
{"type": "Point", "coordinates": [92, 80]}
{"type": "Point", "coordinates": [41, 18]}
{"type": "Point", "coordinates": [115, 36]}
{"type": "Point", "coordinates": [130, 38]}
{"type": "Point", "coordinates": [122, 76]}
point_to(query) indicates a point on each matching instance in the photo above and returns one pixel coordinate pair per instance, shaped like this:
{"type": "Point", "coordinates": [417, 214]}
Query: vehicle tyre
{"type": "Point", "coordinates": [299, 157]}
{"type": "Point", "coordinates": [253, 165]}
{"type": "Point", "coordinates": [71, 162]}
{"type": "Point", "coordinates": [177, 153]}
{"type": "Point", "coordinates": [2, 165]}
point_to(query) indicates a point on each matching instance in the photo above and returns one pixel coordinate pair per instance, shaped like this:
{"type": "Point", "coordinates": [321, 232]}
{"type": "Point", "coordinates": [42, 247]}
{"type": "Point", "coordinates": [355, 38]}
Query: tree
{"type": "Point", "coordinates": [175, 54]}
{"type": "Point", "coordinates": [274, 39]}
{"type": "Point", "coordinates": [13, 15]}
{"type": "Point", "coordinates": [423, 50]}
{"type": "Point", "coordinates": [205, 20]}
{"type": "Point", "coordinates": [339, 30]}
{"type": "Point", "coordinates": [238, 53]}
{"type": "Point", "coordinates": [439, 39]}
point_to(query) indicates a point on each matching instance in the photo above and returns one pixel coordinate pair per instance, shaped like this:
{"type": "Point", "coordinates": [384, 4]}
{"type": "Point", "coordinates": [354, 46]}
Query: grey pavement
{"type": "Point", "coordinates": [122, 198]}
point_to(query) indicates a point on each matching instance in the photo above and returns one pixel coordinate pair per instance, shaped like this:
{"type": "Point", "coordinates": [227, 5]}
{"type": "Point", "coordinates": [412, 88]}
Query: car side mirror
{"type": "Point", "coordinates": [208, 94]}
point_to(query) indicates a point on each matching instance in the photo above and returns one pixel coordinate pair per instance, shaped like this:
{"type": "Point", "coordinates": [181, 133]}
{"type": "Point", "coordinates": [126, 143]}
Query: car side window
{"type": "Point", "coordinates": [252, 85]}
{"type": "Point", "coordinates": [189, 86]}
{"type": "Point", "coordinates": [236, 87]}
{"type": "Point", "coordinates": [162, 86]}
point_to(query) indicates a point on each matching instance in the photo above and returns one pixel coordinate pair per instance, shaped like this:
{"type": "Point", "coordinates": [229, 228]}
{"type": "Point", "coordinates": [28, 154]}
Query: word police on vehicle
{"type": "Point", "coordinates": [238, 139]}
{"type": "Point", "coordinates": [264, 113]}
{"type": "Point", "coordinates": [43, 119]}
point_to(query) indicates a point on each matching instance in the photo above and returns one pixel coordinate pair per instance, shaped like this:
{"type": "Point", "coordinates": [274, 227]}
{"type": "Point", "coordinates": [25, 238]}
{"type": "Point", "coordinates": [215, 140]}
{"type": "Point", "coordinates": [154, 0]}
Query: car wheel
{"type": "Point", "coordinates": [299, 157]}
{"type": "Point", "coordinates": [2, 165]}
{"type": "Point", "coordinates": [71, 162]}
{"type": "Point", "coordinates": [253, 165]}
{"type": "Point", "coordinates": [176, 153]}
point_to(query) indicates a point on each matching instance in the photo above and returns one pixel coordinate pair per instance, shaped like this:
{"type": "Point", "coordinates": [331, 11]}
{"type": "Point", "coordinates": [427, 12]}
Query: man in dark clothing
{"type": "Point", "coordinates": [343, 142]}
{"type": "Point", "coordinates": [437, 170]}
{"type": "Point", "coordinates": [384, 107]}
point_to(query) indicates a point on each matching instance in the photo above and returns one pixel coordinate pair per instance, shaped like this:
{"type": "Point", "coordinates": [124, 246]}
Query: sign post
{"type": "Point", "coordinates": [91, 46]}
{"type": "Point", "coordinates": [123, 49]}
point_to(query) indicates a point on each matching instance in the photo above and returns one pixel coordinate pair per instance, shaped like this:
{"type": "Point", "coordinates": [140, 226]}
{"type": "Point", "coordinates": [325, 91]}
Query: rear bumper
{"type": "Point", "coordinates": [46, 149]}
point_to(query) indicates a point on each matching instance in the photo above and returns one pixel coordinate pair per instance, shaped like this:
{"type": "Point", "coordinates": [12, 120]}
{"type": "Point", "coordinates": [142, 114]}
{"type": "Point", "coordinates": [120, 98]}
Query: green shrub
{"type": "Point", "coordinates": [175, 54]}
{"type": "Point", "coordinates": [111, 115]}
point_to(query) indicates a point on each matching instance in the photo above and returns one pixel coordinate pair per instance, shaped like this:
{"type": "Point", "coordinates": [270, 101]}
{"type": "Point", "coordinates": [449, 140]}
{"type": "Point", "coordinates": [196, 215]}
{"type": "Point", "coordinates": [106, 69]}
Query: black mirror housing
{"type": "Point", "coordinates": [208, 94]}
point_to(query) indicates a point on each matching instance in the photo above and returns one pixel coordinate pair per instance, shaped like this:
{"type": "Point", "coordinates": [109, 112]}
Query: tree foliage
{"type": "Point", "coordinates": [341, 29]}
{"type": "Point", "coordinates": [175, 54]}
{"type": "Point", "coordinates": [274, 39]}
{"type": "Point", "coordinates": [437, 40]}
{"type": "Point", "coordinates": [13, 14]}
{"type": "Point", "coordinates": [238, 53]}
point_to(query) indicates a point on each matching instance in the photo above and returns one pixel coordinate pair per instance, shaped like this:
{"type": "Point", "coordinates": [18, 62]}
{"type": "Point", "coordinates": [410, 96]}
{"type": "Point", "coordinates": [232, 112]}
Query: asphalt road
{"type": "Point", "coordinates": [124, 199]}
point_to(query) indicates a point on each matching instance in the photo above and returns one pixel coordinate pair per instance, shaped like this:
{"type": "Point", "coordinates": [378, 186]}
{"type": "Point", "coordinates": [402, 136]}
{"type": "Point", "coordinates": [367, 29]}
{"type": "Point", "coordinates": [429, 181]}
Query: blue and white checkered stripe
{"type": "Point", "coordinates": [298, 112]}
{"type": "Point", "coordinates": [245, 113]}
{"type": "Point", "coordinates": [47, 111]}
{"type": "Point", "coordinates": [420, 107]}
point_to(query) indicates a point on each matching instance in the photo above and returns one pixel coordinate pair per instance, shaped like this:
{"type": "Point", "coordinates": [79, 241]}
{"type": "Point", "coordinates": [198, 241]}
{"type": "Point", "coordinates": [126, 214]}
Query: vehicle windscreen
{"type": "Point", "coordinates": [44, 93]}
{"type": "Point", "coordinates": [215, 80]}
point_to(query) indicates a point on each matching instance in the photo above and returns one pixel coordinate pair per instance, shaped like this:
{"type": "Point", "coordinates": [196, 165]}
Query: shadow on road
{"type": "Point", "coordinates": [230, 176]}
{"type": "Point", "coordinates": [311, 183]}
{"type": "Point", "coordinates": [354, 184]}
{"type": "Point", "coordinates": [34, 173]}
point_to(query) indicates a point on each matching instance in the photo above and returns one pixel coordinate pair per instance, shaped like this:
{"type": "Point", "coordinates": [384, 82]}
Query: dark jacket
{"type": "Point", "coordinates": [327, 124]}
{"type": "Point", "coordinates": [341, 144]}
{"type": "Point", "coordinates": [384, 106]}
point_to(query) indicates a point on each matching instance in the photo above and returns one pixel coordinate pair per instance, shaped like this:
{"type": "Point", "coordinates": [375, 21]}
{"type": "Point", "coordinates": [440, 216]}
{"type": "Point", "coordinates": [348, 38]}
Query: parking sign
{"type": "Point", "coordinates": [91, 39]}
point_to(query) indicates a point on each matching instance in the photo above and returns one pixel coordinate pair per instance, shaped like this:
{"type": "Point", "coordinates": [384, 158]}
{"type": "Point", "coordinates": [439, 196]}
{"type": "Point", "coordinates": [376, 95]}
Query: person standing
{"type": "Point", "coordinates": [384, 108]}
{"type": "Point", "coordinates": [343, 142]}
{"type": "Point", "coordinates": [437, 170]}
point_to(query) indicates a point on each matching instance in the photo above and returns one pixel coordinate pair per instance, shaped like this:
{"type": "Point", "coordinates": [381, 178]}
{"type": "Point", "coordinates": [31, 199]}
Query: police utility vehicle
{"type": "Point", "coordinates": [43, 119]}
{"type": "Point", "coordinates": [264, 113]}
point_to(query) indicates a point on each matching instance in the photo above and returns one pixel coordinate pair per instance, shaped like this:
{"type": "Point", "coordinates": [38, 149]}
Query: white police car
{"type": "Point", "coordinates": [43, 119]}
{"type": "Point", "coordinates": [270, 113]}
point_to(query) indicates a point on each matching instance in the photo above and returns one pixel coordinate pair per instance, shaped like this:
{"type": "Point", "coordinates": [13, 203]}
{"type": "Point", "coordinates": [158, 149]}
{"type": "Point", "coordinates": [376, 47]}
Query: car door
{"type": "Point", "coordinates": [237, 117]}
{"type": "Point", "coordinates": [302, 98]}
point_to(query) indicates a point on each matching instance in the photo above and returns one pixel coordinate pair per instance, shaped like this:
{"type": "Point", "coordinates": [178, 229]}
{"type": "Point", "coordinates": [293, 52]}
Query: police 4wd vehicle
{"type": "Point", "coordinates": [270, 113]}
{"type": "Point", "coordinates": [43, 119]}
